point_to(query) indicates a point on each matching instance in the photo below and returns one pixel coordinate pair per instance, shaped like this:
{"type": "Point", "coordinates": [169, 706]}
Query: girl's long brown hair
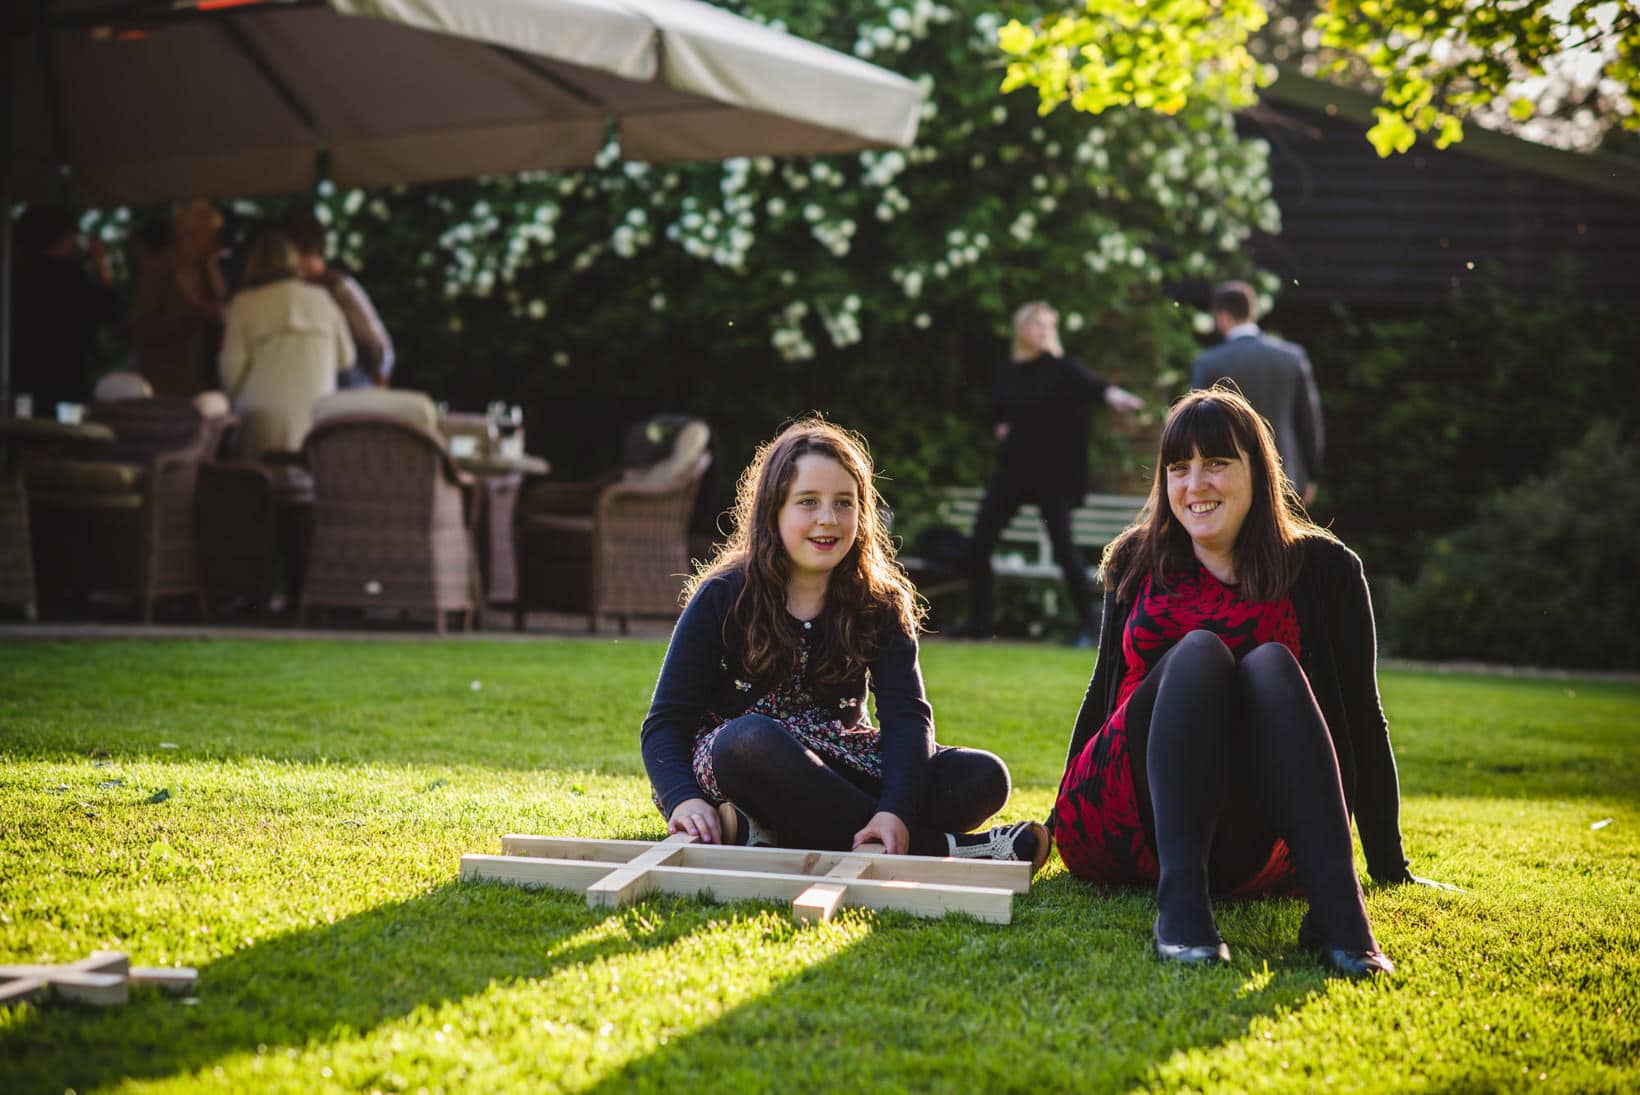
{"type": "Point", "coordinates": [1216, 422]}
{"type": "Point", "coordinates": [866, 583]}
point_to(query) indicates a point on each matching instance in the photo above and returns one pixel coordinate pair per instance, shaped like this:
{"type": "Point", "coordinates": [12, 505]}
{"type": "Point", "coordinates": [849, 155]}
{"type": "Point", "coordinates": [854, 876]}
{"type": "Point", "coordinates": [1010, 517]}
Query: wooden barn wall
{"type": "Point", "coordinates": [1396, 235]}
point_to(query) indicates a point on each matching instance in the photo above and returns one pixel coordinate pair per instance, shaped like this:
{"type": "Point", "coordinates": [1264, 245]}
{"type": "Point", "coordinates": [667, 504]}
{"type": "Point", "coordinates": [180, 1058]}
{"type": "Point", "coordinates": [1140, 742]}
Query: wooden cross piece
{"type": "Point", "coordinates": [103, 979]}
{"type": "Point", "coordinates": [618, 872]}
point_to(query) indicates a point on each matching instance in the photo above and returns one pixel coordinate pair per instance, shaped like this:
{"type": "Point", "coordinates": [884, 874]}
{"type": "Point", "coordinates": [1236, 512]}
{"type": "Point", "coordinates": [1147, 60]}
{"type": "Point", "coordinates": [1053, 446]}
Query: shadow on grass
{"type": "Point", "coordinates": [322, 984]}
{"type": "Point", "coordinates": [1066, 998]}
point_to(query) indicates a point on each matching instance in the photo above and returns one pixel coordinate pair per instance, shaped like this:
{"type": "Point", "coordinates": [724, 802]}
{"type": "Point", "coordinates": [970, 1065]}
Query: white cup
{"type": "Point", "coordinates": [463, 445]}
{"type": "Point", "coordinates": [71, 414]}
{"type": "Point", "coordinates": [23, 405]}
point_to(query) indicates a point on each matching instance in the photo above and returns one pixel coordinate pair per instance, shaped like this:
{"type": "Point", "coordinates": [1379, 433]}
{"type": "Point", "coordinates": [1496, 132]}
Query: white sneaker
{"type": "Point", "coordinates": [1023, 840]}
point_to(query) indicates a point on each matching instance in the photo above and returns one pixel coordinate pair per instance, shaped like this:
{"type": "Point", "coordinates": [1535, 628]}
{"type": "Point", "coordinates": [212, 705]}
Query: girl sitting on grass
{"type": "Point", "coordinates": [758, 731]}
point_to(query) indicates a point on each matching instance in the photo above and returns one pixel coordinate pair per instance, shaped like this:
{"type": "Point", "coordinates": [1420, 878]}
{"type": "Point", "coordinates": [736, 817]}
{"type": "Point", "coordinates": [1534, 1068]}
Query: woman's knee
{"type": "Point", "coordinates": [1205, 651]}
{"type": "Point", "coordinates": [1271, 664]}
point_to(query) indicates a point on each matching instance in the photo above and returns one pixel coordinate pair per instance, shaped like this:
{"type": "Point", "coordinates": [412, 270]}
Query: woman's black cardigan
{"type": "Point", "coordinates": [1340, 659]}
{"type": "Point", "coordinates": [704, 673]}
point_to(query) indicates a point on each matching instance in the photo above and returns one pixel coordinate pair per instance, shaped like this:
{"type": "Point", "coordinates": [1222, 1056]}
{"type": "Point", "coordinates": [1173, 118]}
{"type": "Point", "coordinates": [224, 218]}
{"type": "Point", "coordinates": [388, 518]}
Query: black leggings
{"type": "Point", "coordinates": [1226, 757]}
{"type": "Point", "coordinates": [995, 511]}
{"type": "Point", "coordinates": [811, 802]}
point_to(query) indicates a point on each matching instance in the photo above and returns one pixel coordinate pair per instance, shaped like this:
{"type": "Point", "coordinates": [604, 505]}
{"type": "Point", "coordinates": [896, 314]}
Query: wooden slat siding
{"type": "Point", "coordinates": [1398, 232]}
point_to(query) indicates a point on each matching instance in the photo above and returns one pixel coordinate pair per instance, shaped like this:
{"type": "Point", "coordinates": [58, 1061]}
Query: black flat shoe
{"type": "Point", "coordinates": [1190, 954]}
{"type": "Point", "coordinates": [1342, 960]}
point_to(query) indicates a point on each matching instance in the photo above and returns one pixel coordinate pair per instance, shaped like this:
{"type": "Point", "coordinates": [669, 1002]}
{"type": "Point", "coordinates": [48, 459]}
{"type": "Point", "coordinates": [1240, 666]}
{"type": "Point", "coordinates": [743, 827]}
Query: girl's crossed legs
{"type": "Point", "coordinates": [812, 803]}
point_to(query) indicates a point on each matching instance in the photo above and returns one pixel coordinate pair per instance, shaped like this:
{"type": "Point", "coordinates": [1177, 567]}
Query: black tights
{"type": "Point", "coordinates": [1233, 755]}
{"type": "Point", "coordinates": [810, 803]}
{"type": "Point", "coordinates": [996, 509]}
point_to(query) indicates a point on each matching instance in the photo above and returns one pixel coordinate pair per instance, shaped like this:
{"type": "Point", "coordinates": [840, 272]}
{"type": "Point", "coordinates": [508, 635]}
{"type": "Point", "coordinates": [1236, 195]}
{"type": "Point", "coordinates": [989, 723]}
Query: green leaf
{"type": "Point", "coordinates": [1391, 134]}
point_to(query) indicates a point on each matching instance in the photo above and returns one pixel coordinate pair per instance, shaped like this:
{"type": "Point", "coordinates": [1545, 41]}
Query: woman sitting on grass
{"type": "Point", "coordinates": [1232, 725]}
{"type": "Point", "coordinates": [758, 732]}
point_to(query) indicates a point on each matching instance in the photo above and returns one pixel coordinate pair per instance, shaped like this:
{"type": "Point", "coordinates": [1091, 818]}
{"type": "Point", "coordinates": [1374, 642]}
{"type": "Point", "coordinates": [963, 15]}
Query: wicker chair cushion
{"type": "Point", "coordinates": [676, 465]}
{"type": "Point", "coordinates": [414, 407]}
{"type": "Point", "coordinates": [84, 476]}
{"type": "Point", "coordinates": [122, 384]}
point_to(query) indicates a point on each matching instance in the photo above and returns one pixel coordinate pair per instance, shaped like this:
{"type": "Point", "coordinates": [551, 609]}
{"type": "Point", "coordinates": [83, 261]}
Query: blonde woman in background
{"type": "Point", "coordinates": [283, 347]}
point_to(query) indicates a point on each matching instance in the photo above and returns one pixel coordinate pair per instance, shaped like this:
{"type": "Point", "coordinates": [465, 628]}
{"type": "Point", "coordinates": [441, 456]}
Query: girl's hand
{"type": "Point", "coordinates": [699, 819]}
{"type": "Point", "coordinates": [886, 829]}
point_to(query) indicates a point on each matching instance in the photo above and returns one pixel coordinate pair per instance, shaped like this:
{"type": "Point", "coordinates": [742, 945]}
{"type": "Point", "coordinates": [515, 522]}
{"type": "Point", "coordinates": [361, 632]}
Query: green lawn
{"type": "Point", "coordinates": [320, 795]}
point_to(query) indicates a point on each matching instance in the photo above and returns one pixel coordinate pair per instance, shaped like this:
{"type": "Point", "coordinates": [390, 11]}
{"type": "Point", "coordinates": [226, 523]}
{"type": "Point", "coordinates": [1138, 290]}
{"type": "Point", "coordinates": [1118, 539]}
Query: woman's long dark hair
{"type": "Point", "coordinates": [1216, 422]}
{"type": "Point", "coordinates": [866, 583]}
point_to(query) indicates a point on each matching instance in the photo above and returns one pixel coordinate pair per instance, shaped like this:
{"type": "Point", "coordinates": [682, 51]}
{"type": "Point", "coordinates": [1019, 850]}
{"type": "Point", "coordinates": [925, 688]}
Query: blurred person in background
{"type": "Point", "coordinates": [176, 316]}
{"type": "Point", "coordinates": [62, 292]}
{"type": "Point", "coordinates": [1276, 378]}
{"type": "Point", "coordinates": [373, 346]}
{"type": "Point", "coordinates": [1042, 404]}
{"type": "Point", "coordinates": [285, 344]}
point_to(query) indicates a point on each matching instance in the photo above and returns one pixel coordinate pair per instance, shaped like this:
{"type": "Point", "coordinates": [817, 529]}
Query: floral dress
{"type": "Point", "coordinates": [1097, 819]}
{"type": "Point", "coordinates": [794, 707]}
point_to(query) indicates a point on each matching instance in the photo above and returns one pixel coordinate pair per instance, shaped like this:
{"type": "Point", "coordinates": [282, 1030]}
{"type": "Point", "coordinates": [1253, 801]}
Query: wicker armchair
{"type": "Point", "coordinates": [392, 527]}
{"type": "Point", "coordinates": [123, 522]}
{"type": "Point", "coordinates": [617, 546]}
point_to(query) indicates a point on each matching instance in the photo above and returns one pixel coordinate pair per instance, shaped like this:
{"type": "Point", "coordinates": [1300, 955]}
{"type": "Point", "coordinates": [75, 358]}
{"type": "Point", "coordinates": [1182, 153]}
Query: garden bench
{"type": "Point", "coordinates": [1025, 550]}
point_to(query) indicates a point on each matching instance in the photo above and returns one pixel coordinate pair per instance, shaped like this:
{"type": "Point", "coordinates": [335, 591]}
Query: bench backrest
{"type": "Point", "coordinates": [1094, 523]}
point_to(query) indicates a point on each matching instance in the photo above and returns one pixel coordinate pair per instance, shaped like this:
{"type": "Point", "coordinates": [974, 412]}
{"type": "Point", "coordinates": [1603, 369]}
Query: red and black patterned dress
{"type": "Point", "coordinates": [1096, 815]}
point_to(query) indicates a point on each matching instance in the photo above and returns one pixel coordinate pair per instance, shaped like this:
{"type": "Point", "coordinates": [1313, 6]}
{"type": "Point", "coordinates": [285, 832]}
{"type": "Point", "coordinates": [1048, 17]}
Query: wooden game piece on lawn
{"type": "Point", "coordinates": [819, 902]}
{"type": "Point", "coordinates": [103, 979]}
{"type": "Point", "coordinates": [617, 872]}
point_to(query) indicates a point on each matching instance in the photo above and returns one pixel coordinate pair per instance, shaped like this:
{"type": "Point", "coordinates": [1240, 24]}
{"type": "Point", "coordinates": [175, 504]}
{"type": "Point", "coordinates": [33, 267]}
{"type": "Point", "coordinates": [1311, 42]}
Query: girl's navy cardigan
{"type": "Point", "coordinates": [704, 674]}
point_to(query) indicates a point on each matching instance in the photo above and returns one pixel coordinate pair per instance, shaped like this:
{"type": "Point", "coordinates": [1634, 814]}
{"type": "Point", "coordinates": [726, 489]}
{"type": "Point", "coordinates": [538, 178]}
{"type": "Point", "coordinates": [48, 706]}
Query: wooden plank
{"type": "Point", "coordinates": [819, 902]}
{"type": "Point", "coordinates": [988, 903]}
{"type": "Point", "coordinates": [572, 847]}
{"type": "Point", "coordinates": [20, 989]}
{"type": "Point", "coordinates": [1012, 875]}
{"type": "Point", "coordinates": [625, 885]}
{"type": "Point", "coordinates": [532, 871]}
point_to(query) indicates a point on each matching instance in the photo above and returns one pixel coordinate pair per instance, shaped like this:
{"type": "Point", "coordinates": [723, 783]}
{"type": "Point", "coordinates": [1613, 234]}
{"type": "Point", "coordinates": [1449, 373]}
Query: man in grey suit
{"type": "Point", "coordinates": [1275, 377]}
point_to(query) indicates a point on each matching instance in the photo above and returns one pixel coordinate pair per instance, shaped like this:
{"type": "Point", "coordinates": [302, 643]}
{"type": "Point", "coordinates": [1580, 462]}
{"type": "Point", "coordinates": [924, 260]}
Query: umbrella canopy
{"type": "Point", "coordinates": [147, 100]}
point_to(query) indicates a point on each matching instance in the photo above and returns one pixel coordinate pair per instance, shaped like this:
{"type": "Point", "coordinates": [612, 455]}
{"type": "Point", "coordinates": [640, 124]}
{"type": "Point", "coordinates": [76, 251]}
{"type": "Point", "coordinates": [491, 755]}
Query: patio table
{"type": "Point", "coordinates": [499, 480]}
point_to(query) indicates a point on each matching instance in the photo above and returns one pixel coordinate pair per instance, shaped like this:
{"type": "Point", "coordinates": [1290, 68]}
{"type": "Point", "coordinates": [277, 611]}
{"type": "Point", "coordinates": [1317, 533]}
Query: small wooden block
{"type": "Point", "coordinates": [819, 902]}
{"type": "Point", "coordinates": [175, 980]}
{"type": "Point", "coordinates": [102, 989]}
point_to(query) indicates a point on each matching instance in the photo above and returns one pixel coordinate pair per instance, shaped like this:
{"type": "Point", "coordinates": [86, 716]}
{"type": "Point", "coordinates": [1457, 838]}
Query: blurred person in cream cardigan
{"type": "Point", "coordinates": [284, 345]}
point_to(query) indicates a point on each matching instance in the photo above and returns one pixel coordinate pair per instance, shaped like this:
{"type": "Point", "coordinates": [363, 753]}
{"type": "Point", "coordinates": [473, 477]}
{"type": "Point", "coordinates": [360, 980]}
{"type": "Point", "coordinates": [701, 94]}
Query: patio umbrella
{"type": "Point", "coordinates": [146, 100]}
